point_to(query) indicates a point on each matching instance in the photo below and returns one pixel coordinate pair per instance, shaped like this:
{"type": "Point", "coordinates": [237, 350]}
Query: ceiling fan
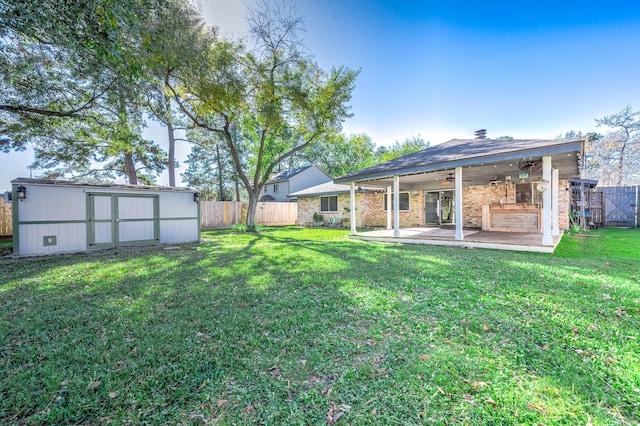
{"type": "Point", "coordinates": [449, 179]}
{"type": "Point", "coordinates": [496, 179]}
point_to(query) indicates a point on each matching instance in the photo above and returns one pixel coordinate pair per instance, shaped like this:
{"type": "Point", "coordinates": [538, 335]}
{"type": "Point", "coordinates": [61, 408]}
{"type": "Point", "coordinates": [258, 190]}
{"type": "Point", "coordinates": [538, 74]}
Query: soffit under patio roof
{"type": "Point", "coordinates": [482, 160]}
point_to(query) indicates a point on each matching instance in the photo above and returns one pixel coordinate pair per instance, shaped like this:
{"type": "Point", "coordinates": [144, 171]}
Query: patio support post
{"type": "Point", "coordinates": [389, 203]}
{"type": "Point", "coordinates": [547, 239]}
{"type": "Point", "coordinates": [555, 187]}
{"type": "Point", "coordinates": [459, 235]}
{"type": "Point", "coordinates": [352, 206]}
{"type": "Point", "coordinates": [396, 206]}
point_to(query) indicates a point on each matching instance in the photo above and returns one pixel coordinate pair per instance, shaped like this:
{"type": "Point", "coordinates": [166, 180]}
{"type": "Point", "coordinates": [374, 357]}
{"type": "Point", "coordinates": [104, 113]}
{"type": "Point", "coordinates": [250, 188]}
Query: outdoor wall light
{"type": "Point", "coordinates": [22, 193]}
{"type": "Point", "coordinates": [196, 197]}
{"type": "Point", "coordinates": [542, 186]}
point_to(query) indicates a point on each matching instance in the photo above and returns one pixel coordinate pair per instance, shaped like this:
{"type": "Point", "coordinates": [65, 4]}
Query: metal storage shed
{"type": "Point", "coordinates": [52, 216]}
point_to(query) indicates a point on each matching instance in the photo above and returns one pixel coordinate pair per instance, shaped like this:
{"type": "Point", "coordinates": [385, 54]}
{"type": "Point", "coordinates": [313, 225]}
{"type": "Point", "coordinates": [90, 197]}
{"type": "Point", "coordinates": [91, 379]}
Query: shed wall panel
{"type": "Point", "coordinates": [69, 236]}
{"type": "Point", "coordinates": [52, 203]}
{"type": "Point", "coordinates": [178, 231]}
{"type": "Point", "coordinates": [178, 205]}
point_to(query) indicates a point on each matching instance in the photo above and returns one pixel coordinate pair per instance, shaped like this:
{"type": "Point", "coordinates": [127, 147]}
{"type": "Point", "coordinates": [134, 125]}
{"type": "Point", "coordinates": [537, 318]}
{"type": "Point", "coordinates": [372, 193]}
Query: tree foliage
{"type": "Point", "coordinates": [72, 83]}
{"type": "Point", "coordinates": [617, 153]}
{"type": "Point", "coordinates": [340, 154]}
{"type": "Point", "coordinates": [267, 102]}
{"type": "Point", "coordinates": [210, 169]}
{"type": "Point", "coordinates": [399, 149]}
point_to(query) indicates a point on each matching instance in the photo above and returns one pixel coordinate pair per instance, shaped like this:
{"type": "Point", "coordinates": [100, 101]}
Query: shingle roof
{"type": "Point", "coordinates": [457, 152]}
{"type": "Point", "coordinates": [327, 188]}
{"type": "Point", "coordinates": [286, 175]}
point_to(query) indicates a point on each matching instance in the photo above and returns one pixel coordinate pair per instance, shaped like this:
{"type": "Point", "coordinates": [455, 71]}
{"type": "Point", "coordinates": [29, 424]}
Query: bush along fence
{"type": "Point", "coordinates": [219, 214]}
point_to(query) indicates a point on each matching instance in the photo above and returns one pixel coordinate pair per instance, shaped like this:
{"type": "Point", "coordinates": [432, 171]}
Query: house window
{"type": "Point", "coordinates": [275, 188]}
{"type": "Point", "coordinates": [265, 189]}
{"type": "Point", "coordinates": [404, 201]}
{"type": "Point", "coordinates": [524, 194]}
{"type": "Point", "coordinates": [329, 204]}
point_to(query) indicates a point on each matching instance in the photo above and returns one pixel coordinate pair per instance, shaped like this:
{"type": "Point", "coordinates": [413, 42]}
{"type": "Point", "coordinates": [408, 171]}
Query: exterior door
{"type": "Point", "coordinates": [439, 207]}
{"type": "Point", "coordinates": [431, 208]}
{"type": "Point", "coordinates": [121, 219]}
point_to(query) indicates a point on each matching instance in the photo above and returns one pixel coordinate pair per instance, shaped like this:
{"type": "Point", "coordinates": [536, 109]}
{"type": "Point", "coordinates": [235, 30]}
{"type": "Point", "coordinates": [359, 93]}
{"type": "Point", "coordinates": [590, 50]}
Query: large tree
{"type": "Point", "coordinates": [267, 102]}
{"type": "Point", "coordinates": [617, 152]}
{"type": "Point", "coordinates": [72, 79]}
{"type": "Point", "coordinates": [210, 169]}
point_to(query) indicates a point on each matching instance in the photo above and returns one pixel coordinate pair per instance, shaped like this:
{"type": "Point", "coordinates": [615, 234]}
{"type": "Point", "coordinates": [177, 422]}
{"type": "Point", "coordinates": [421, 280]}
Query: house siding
{"type": "Point", "coordinates": [283, 190]}
{"type": "Point", "coordinates": [307, 178]}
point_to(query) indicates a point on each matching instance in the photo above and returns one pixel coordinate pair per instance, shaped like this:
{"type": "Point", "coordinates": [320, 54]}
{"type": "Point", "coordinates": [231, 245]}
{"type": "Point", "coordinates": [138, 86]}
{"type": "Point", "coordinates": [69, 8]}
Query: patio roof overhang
{"type": "Point", "coordinates": [421, 171]}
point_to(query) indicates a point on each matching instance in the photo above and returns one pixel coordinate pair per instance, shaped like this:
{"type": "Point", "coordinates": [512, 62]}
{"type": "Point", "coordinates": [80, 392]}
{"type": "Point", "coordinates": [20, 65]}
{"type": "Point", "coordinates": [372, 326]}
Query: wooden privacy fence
{"type": "Point", "coordinates": [6, 227]}
{"type": "Point", "coordinates": [215, 214]}
{"type": "Point", "coordinates": [621, 205]}
{"type": "Point", "coordinates": [277, 213]}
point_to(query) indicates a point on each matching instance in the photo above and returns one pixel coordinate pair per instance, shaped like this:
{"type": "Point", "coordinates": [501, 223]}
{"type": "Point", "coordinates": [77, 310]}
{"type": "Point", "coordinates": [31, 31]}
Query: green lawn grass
{"type": "Point", "coordinates": [304, 326]}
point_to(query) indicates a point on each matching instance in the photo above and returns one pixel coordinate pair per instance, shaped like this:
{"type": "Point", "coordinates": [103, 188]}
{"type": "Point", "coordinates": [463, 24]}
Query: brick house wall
{"type": "Point", "coordinates": [474, 197]}
{"type": "Point", "coordinates": [374, 213]}
{"type": "Point", "coordinates": [370, 206]}
{"type": "Point", "coordinates": [369, 211]}
{"type": "Point", "coordinates": [308, 206]}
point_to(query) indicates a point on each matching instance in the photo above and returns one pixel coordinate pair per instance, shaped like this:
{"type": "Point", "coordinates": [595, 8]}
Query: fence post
{"type": "Point", "coordinates": [637, 206]}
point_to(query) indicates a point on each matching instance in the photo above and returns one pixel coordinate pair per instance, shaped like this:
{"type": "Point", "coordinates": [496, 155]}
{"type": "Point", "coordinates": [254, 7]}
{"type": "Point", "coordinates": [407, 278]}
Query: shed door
{"type": "Point", "coordinates": [137, 219]}
{"type": "Point", "coordinates": [118, 220]}
{"type": "Point", "coordinates": [101, 221]}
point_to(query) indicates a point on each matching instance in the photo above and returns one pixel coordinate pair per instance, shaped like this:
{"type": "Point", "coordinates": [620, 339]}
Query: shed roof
{"type": "Point", "coordinates": [468, 152]}
{"type": "Point", "coordinates": [100, 185]}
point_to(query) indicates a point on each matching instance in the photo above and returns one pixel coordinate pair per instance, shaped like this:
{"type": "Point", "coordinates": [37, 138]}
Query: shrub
{"type": "Point", "coordinates": [317, 217]}
{"type": "Point", "coordinates": [239, 228]}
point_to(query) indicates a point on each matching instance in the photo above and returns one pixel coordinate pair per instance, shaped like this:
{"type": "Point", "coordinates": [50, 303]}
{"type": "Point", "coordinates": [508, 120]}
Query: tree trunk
{"type": "Point", "coordinates": [172, 155]}
{"type": "Point", "coordinates": [130, 168]}
{"type": "Point", "coordinates": [621, 164]}
{"type": "Point", "coordinates": [172, 139]}
{"type": "Point", "coordinates": [251, 210]}
{"type": "Point", "coordinates": [235, 180]}
{"type": "Point", "coordinates": [220, 183]}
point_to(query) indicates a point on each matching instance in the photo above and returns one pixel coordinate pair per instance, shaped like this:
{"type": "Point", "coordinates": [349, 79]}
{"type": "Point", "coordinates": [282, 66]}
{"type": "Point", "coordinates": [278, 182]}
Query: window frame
{"type": "Point", "coordinates": [276, 188]}
{"type": "Point", "coordinates": [408, 201]}
{"type": "Point", "coordinates": [328, 197]}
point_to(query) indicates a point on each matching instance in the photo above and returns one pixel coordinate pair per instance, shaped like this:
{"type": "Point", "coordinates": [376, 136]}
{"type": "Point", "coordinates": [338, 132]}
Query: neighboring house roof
{"type": "Point", "coordinates": [286, 175]}
{"type": "Point", "coordinates": [470, 152]}
{"type": "Point", "coordinates": [328, 188]}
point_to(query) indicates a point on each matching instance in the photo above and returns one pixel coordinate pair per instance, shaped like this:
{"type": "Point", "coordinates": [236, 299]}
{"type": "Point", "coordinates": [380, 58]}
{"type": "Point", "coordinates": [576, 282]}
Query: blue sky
{"type": "Point", "coordinates": [445, 69]}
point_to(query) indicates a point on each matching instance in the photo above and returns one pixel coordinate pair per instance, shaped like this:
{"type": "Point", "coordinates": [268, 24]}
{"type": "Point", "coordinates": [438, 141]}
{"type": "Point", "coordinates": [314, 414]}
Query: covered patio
{"type": "Point", "coordinates": [472, 238]}
{"type": "Point", "coordinates": [531, 168]}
